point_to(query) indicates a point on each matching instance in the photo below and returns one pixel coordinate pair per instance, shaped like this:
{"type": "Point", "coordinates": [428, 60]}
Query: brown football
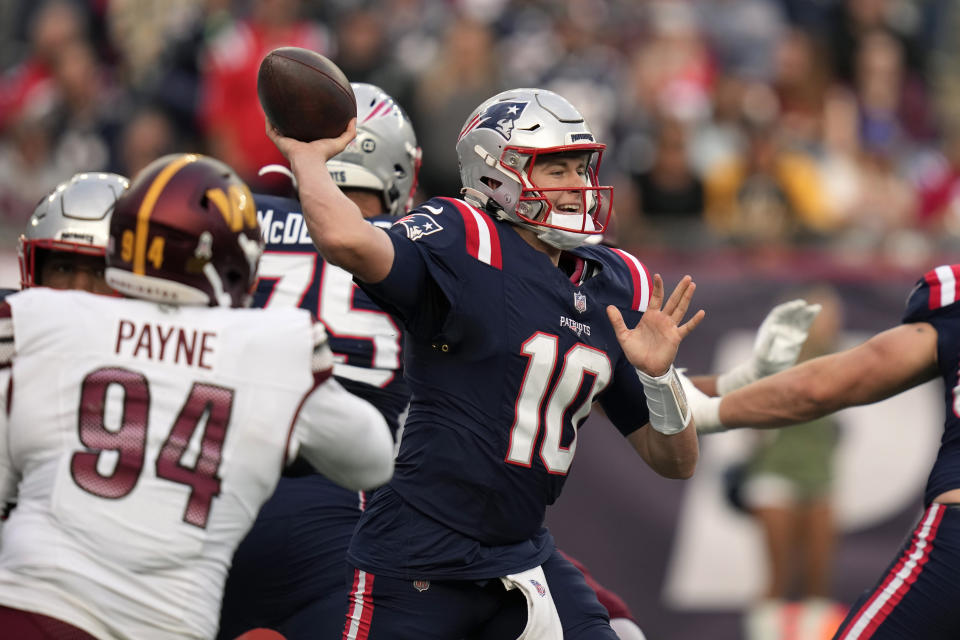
{"type": "Point", "coordinates": [304, 95]}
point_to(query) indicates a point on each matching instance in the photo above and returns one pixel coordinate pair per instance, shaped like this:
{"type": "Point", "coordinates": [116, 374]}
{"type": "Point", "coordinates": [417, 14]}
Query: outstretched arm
{"type": "Point", "coordinates": [669, 447]}
{"type": "Point", "coordinates": [886, 364]}
{"type": "Point", "coordinates": [344, 437]}
{"type": "Point", "coordinates": [776, 347]}
{"type": "Point", "coordinates": [336, 226]}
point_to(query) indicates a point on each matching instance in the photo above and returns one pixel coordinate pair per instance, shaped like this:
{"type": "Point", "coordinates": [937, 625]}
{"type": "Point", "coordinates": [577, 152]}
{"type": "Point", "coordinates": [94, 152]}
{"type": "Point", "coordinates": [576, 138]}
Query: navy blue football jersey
{"type": "Point", "coordinates": [505, 355]}
{"type": "Point", "coordinates": [366, 342]}
{"type": "Point", "coordinates": [936, 299]}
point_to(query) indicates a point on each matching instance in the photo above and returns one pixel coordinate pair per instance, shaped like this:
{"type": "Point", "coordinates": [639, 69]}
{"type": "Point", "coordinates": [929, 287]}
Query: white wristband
{"type": "Point", "coordinates": [705, 410]}
{"type": "Point", "coordinates": [666, 401]}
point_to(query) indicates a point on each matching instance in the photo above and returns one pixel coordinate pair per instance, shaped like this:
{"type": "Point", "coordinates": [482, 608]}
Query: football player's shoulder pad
{"type": "Point", "coordinates": [935, 295]}
{"type": "Point", "coordinates": [627, 273]}
{"type": "Point", "coordinates": [437, 222]}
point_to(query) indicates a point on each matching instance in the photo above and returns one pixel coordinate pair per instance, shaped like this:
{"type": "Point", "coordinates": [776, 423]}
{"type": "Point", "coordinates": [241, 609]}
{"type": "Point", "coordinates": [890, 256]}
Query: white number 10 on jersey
{"type": "Point", "coordinates": [541, 351]}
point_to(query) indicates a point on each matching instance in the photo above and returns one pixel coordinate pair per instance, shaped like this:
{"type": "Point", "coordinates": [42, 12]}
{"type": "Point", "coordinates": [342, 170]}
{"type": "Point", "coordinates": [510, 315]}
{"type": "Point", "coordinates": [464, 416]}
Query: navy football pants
{"type": "Point", "coordinates": [388, 608]}
{"type": "Point", "coordinates": [918, 596]}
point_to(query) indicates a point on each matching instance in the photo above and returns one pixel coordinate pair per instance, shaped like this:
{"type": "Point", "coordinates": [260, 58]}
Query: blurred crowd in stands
{"type": "Point", "coordinates": [826, 123]}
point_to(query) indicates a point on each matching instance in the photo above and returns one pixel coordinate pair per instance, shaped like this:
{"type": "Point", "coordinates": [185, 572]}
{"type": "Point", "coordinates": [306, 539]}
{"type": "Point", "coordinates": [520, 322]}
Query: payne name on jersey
{"type": "Point", "coordinates": [170, 344]}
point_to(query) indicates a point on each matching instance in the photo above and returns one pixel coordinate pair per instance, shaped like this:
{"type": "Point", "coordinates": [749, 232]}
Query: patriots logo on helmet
{"type": "Point", "coordinates": [500, 116]}
{"type": "Point", "coordinates": [418, 225]}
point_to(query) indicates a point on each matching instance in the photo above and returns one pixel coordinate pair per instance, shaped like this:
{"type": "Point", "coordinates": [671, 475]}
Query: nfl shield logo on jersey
{"type": "Point", "coordinates": [421, 585]}
{"type": "Point", "coordinates": [579, 302]}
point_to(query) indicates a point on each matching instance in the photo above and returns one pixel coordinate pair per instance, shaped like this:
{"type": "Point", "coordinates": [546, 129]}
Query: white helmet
{"type": "Point", "coordinates": [498, 147]}
{"type": "Point", "coordinates": [73, 218]}
{"type": "Point", "coordinates": [384, 157]}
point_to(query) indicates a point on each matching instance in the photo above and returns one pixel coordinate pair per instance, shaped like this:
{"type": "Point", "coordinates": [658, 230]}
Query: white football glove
{"type": "Point", "coordinates": [777, 345]}
{"type": "Point", "coordinates": [705, 410]}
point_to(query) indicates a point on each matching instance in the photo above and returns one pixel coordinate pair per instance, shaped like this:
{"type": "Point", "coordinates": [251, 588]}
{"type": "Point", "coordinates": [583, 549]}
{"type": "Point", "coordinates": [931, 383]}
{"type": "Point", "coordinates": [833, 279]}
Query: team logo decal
{"type": "Point", "coordinates": [421, 585]}
{"type": "Point", "coordinates": [418, 225]}
{"type": "Point", "coordinates": [541, 590]}
{"type": "Point", "coordinates": [579, 302]}
{"type": "Point", "coordinates": [501, 117]}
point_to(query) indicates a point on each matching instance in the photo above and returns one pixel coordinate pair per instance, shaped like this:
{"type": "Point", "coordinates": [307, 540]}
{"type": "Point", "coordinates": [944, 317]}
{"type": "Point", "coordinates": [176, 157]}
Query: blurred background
{"type": "Point", "coordinates": [762, 146]}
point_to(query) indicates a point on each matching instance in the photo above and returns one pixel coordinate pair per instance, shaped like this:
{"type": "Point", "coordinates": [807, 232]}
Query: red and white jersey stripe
{"type": "Point", "coordinates": [641, 280]}
{"type": "Point", "coordinates": [900, 579]}
{"type": "Point", "coordinates": [943, 285]}
{"type": "Point", "coordinates": [361, 607]}
{"type": "Point", "coordinates": [483, 243]}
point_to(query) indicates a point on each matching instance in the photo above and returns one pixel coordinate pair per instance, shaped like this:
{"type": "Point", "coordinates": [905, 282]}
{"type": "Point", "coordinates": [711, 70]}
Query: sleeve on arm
{"type": "Point", "coordinates": [410, 292]}
{"type": "Point", "coordinates": [343, 437]}
{"type": "Point", "coordinates": [624, 401]}
{"type": "Point", "coordinates": [936, 297]}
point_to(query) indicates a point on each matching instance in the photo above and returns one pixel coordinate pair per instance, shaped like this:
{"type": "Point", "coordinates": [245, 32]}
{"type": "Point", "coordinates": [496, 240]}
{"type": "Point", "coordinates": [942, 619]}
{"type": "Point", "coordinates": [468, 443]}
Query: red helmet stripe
{"type": "Point", "coordinates": [377, 109]}
{"type": "Point", "coordinates": [469, 126]}
{"type": "Point", "coordinates": [146, 208]}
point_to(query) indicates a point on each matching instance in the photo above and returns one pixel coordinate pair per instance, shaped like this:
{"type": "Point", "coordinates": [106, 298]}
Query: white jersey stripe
{"type": "Point", "coordinates": [899, 580]}
{"type": "Point", "coordinates": [483, 236]}
{"type": "Point", "coordinates": [948, 285]}
{"type": "Point", "coordinates": [644, 286]}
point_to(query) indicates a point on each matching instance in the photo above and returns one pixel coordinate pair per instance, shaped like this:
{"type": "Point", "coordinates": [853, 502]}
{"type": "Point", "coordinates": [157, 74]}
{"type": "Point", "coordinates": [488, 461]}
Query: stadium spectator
{"type": "Point", "coordinates": [772, 195]}
{"type": "Point", "coordinates": [28, 86]}
{"type": "Point", "coordinates": [230, 114]}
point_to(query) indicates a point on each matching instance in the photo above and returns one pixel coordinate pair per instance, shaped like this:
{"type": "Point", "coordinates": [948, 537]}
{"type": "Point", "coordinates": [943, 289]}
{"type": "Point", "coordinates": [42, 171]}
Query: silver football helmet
{"type": "Point", "coordinates": [498, 147]}
{"type": "Point", "coordinates": [73, 218]}
{"type": "Point", "coordinates": [384, 157]}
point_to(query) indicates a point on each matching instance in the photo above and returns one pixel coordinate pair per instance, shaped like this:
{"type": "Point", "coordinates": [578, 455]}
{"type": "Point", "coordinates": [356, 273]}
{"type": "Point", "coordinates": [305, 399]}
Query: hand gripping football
{"type": "Point", "coordinates": [304, 94]}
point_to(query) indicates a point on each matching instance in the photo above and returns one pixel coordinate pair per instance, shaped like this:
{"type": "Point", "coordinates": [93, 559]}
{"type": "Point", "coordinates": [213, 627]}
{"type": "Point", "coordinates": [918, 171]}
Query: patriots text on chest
{"type": "Point", "coordinates": [173, 345]}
